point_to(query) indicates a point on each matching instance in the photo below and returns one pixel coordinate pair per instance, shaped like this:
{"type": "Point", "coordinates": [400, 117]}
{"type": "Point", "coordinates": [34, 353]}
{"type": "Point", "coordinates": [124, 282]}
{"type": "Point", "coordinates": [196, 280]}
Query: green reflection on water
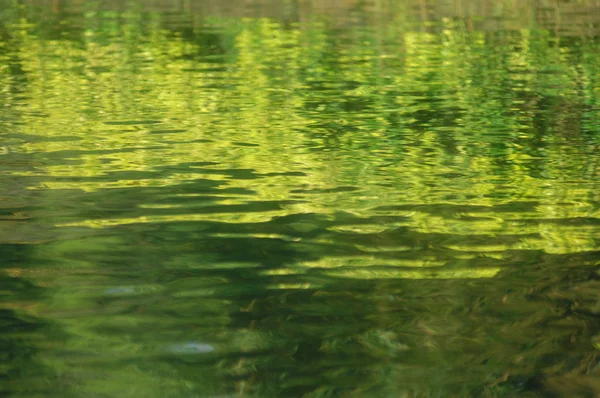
{"type": "Point", "coordinates": [246, 207]}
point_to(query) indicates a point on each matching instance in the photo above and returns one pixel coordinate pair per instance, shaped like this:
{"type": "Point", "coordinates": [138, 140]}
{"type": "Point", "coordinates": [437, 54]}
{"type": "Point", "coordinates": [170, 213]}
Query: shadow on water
{"type": "Point", "coordinates": [17, 339]}
{"type": "Point", "coordinates": [24, 334]}
{"type": "Point", "coordinates": [230, 301]}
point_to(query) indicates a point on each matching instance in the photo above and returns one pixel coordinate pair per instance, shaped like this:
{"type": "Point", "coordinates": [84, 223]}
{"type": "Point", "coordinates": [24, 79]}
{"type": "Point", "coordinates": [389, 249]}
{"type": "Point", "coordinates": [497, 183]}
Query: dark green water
{"type": "Point", "coordinates": [195, 205]}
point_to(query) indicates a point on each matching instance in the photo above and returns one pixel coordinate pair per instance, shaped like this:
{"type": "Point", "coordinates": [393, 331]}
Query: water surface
{"type": "Point", "coordinates": [393, 202]}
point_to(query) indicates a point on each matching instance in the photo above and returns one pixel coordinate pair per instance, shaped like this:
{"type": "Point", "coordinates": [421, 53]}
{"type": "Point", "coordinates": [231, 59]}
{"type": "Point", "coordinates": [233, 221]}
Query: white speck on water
{"type": "Point", "coordinates": [190, 348]}
{"type": "Point", "coordinates": [120, 290]}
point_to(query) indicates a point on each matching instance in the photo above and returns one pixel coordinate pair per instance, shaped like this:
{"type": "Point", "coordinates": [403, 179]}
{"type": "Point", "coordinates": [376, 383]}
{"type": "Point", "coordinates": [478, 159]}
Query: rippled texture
{"type": "Point", "coordinates": [381, 201]}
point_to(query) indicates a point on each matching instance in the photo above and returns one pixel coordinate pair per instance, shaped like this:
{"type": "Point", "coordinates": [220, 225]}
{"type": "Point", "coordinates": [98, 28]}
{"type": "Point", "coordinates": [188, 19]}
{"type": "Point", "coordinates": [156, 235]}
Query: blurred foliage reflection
{"type": "Point", "coordinates": [225, 206]}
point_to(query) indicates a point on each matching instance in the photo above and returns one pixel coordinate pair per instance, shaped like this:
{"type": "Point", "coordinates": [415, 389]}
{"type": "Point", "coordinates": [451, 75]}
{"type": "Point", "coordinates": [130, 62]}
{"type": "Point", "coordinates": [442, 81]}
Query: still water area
{"type": "Point", "coordinates": [356, 200]}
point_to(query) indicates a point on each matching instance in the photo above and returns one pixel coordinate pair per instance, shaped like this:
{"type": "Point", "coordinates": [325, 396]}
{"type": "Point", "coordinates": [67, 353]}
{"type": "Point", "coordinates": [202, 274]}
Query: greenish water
{"type": "Point", "coordinates": [203, 206]}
